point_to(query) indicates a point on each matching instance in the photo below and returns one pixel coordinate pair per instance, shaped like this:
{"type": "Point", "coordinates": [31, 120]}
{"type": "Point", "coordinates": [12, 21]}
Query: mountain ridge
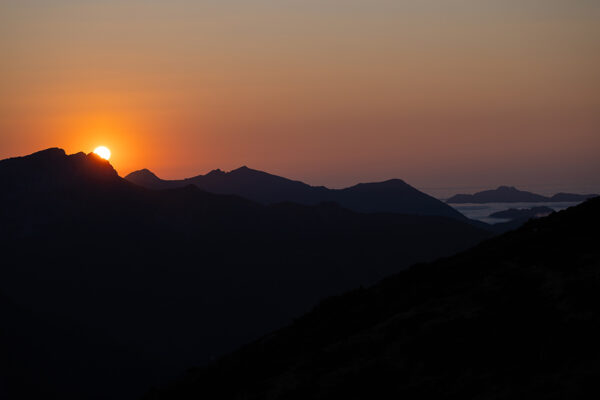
{"type": "Point", "coordinates": [392, 195]}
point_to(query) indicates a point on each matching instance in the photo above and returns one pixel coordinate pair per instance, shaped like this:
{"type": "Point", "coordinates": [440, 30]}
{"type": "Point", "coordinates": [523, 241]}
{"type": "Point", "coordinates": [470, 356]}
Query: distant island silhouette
{"type": "Point", "coordinates": [510, 194]}
{"type": "Point", "coordinates": [393, 195]}
{"type": "Point", "coordinates": [514, 213]}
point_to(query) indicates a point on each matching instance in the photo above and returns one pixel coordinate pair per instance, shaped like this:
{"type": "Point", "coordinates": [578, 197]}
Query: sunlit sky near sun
{"type": "Point", "coordinates": [461, 93]}
{"type": "Point", "coordinates": [103, 152]}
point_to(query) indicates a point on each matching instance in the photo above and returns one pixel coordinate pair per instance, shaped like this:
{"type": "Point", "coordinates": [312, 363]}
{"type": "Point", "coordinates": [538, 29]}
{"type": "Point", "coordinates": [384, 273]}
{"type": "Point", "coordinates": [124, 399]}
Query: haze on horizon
{"type": "Point", "coordinates": [462, 93]}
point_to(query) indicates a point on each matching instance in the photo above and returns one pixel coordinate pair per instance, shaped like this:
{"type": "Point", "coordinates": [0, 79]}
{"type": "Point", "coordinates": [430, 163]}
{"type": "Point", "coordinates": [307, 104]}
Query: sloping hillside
{"type": "Point", "coordinates": [517, 317]}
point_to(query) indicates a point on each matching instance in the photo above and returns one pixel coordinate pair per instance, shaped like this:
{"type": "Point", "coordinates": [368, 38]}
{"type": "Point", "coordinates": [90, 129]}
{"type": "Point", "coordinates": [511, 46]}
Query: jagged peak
{"type": "Point", "coordinates": [94, 157]}
{"type": "Point", "coordinates": [217, 171]}
{"type": "Point", "coordinates": [78, 156]}
{"type": "Point", "coordinates": [55, 161]}
{"type": "Point", "coordinates": [98, 165]}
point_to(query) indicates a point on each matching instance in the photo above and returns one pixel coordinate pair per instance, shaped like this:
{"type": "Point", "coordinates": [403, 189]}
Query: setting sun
{"type": "Point", "coordinates": [103, 152]}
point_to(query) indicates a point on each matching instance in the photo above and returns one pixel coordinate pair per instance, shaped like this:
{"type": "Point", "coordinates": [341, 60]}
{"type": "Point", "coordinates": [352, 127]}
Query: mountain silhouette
{"type": "Point", "coordinates": [514, 213]}
{"type": "Point", "coordinates": [510, 194]}
{"type": "Point", "coordinates": [516, 317]}
{"type": "Point", "coordinates": [389, 196]}
{"type": "Point", "coordinates": [112, 287]}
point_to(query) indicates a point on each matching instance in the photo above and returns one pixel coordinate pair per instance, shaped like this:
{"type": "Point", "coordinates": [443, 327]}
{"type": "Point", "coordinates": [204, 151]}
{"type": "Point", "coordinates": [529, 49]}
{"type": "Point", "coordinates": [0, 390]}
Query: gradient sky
{"type": "Point", "coordinates": [461, 94]}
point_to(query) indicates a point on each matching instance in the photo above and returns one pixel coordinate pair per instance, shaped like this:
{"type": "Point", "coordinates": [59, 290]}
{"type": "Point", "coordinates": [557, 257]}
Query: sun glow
{"type": "Point", "coordinates": [102, 152]}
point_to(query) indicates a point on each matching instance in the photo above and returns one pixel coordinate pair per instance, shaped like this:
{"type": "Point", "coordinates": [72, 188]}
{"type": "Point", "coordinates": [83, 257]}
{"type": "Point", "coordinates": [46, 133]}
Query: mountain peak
{"type": "Point", "coordinates": [216, 172]}
{"type": "Point", "coordinates": [52, 153]}
{"type": "Point", "coordinates": [394, 182]}
{"type": "Point", "coordinates": [243, 168]}
{"type": "Point", "coordinates": [92, 166]}
{"type": "Point", "coordinates": [143, 173]}
{"type": "Point", "coordinates": [145, 177]}
{"type": "Point", "coordinates": [246, 171]}
{"type": "Point", "coordinates": [53, 165]}
{"type": "Point", "coordinates": [392, 195]}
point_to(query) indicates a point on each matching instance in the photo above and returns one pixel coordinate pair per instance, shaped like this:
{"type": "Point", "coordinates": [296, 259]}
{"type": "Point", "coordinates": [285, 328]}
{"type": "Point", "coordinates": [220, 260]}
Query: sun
{"type": "Point", "coordinates": [102, 152]}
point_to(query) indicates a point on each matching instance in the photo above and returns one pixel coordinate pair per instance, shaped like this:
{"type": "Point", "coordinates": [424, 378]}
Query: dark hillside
{"type": "Point", "coordinates": [177, 276]}
{"type": "Point", "coordinates": [517, 317]}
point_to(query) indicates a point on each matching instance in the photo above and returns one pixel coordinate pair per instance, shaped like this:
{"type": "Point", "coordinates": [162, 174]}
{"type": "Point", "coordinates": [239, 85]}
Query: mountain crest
{"type": "Point", "coordinates": [393, 195]}
{"type": "Point", "coordinates": [216, 172]}
{"type": "Point", "coordinates": [53, 166]}
{"type": "Point", "coordinates": [143, 173]}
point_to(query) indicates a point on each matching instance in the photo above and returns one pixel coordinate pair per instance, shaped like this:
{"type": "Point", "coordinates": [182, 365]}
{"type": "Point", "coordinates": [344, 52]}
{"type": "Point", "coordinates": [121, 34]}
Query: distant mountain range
{"type": "Point", "coordinates": [510, 194]}
{"type": "Point", "coordinates": [390, 196]}
{"type": "Point", "coordinates": [517, 317]}
{"type": "Point", "coordinates": [109, 287]}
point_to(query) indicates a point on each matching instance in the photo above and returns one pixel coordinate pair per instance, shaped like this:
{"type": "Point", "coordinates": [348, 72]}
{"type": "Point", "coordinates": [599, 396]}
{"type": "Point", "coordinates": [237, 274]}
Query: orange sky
{"type": "Point", "coordinates": [463, 93]}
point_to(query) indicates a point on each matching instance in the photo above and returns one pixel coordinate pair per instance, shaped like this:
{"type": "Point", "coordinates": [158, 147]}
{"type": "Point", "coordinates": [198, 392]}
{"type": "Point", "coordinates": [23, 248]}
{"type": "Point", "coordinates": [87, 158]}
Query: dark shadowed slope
{"type": "Point", "coordinates": [517, 317]}
{"type": "Point", "coordinates": [48, 356]}
{"type": "Point", "coordinates": [171, 278]}
{"type": "Point", "coordinates": [510, 194]}
{"type": "Point", "coordinates": [390, 196]}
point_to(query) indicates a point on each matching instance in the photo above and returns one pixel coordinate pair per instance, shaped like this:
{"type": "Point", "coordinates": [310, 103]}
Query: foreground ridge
{"type": "Point", "coordinates": [515, 317]}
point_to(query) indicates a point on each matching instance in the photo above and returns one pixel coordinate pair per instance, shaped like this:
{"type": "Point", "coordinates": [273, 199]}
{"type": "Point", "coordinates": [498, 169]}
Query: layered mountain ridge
{"type": "Point", "coordinates": [150, 274]}
{"type": "Point", "coordinates": [393, 195]}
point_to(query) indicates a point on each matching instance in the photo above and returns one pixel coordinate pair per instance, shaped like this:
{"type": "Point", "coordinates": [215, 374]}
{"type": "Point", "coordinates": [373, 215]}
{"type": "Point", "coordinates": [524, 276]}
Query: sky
{"type": "Point", "coordinates": [443, 94]}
